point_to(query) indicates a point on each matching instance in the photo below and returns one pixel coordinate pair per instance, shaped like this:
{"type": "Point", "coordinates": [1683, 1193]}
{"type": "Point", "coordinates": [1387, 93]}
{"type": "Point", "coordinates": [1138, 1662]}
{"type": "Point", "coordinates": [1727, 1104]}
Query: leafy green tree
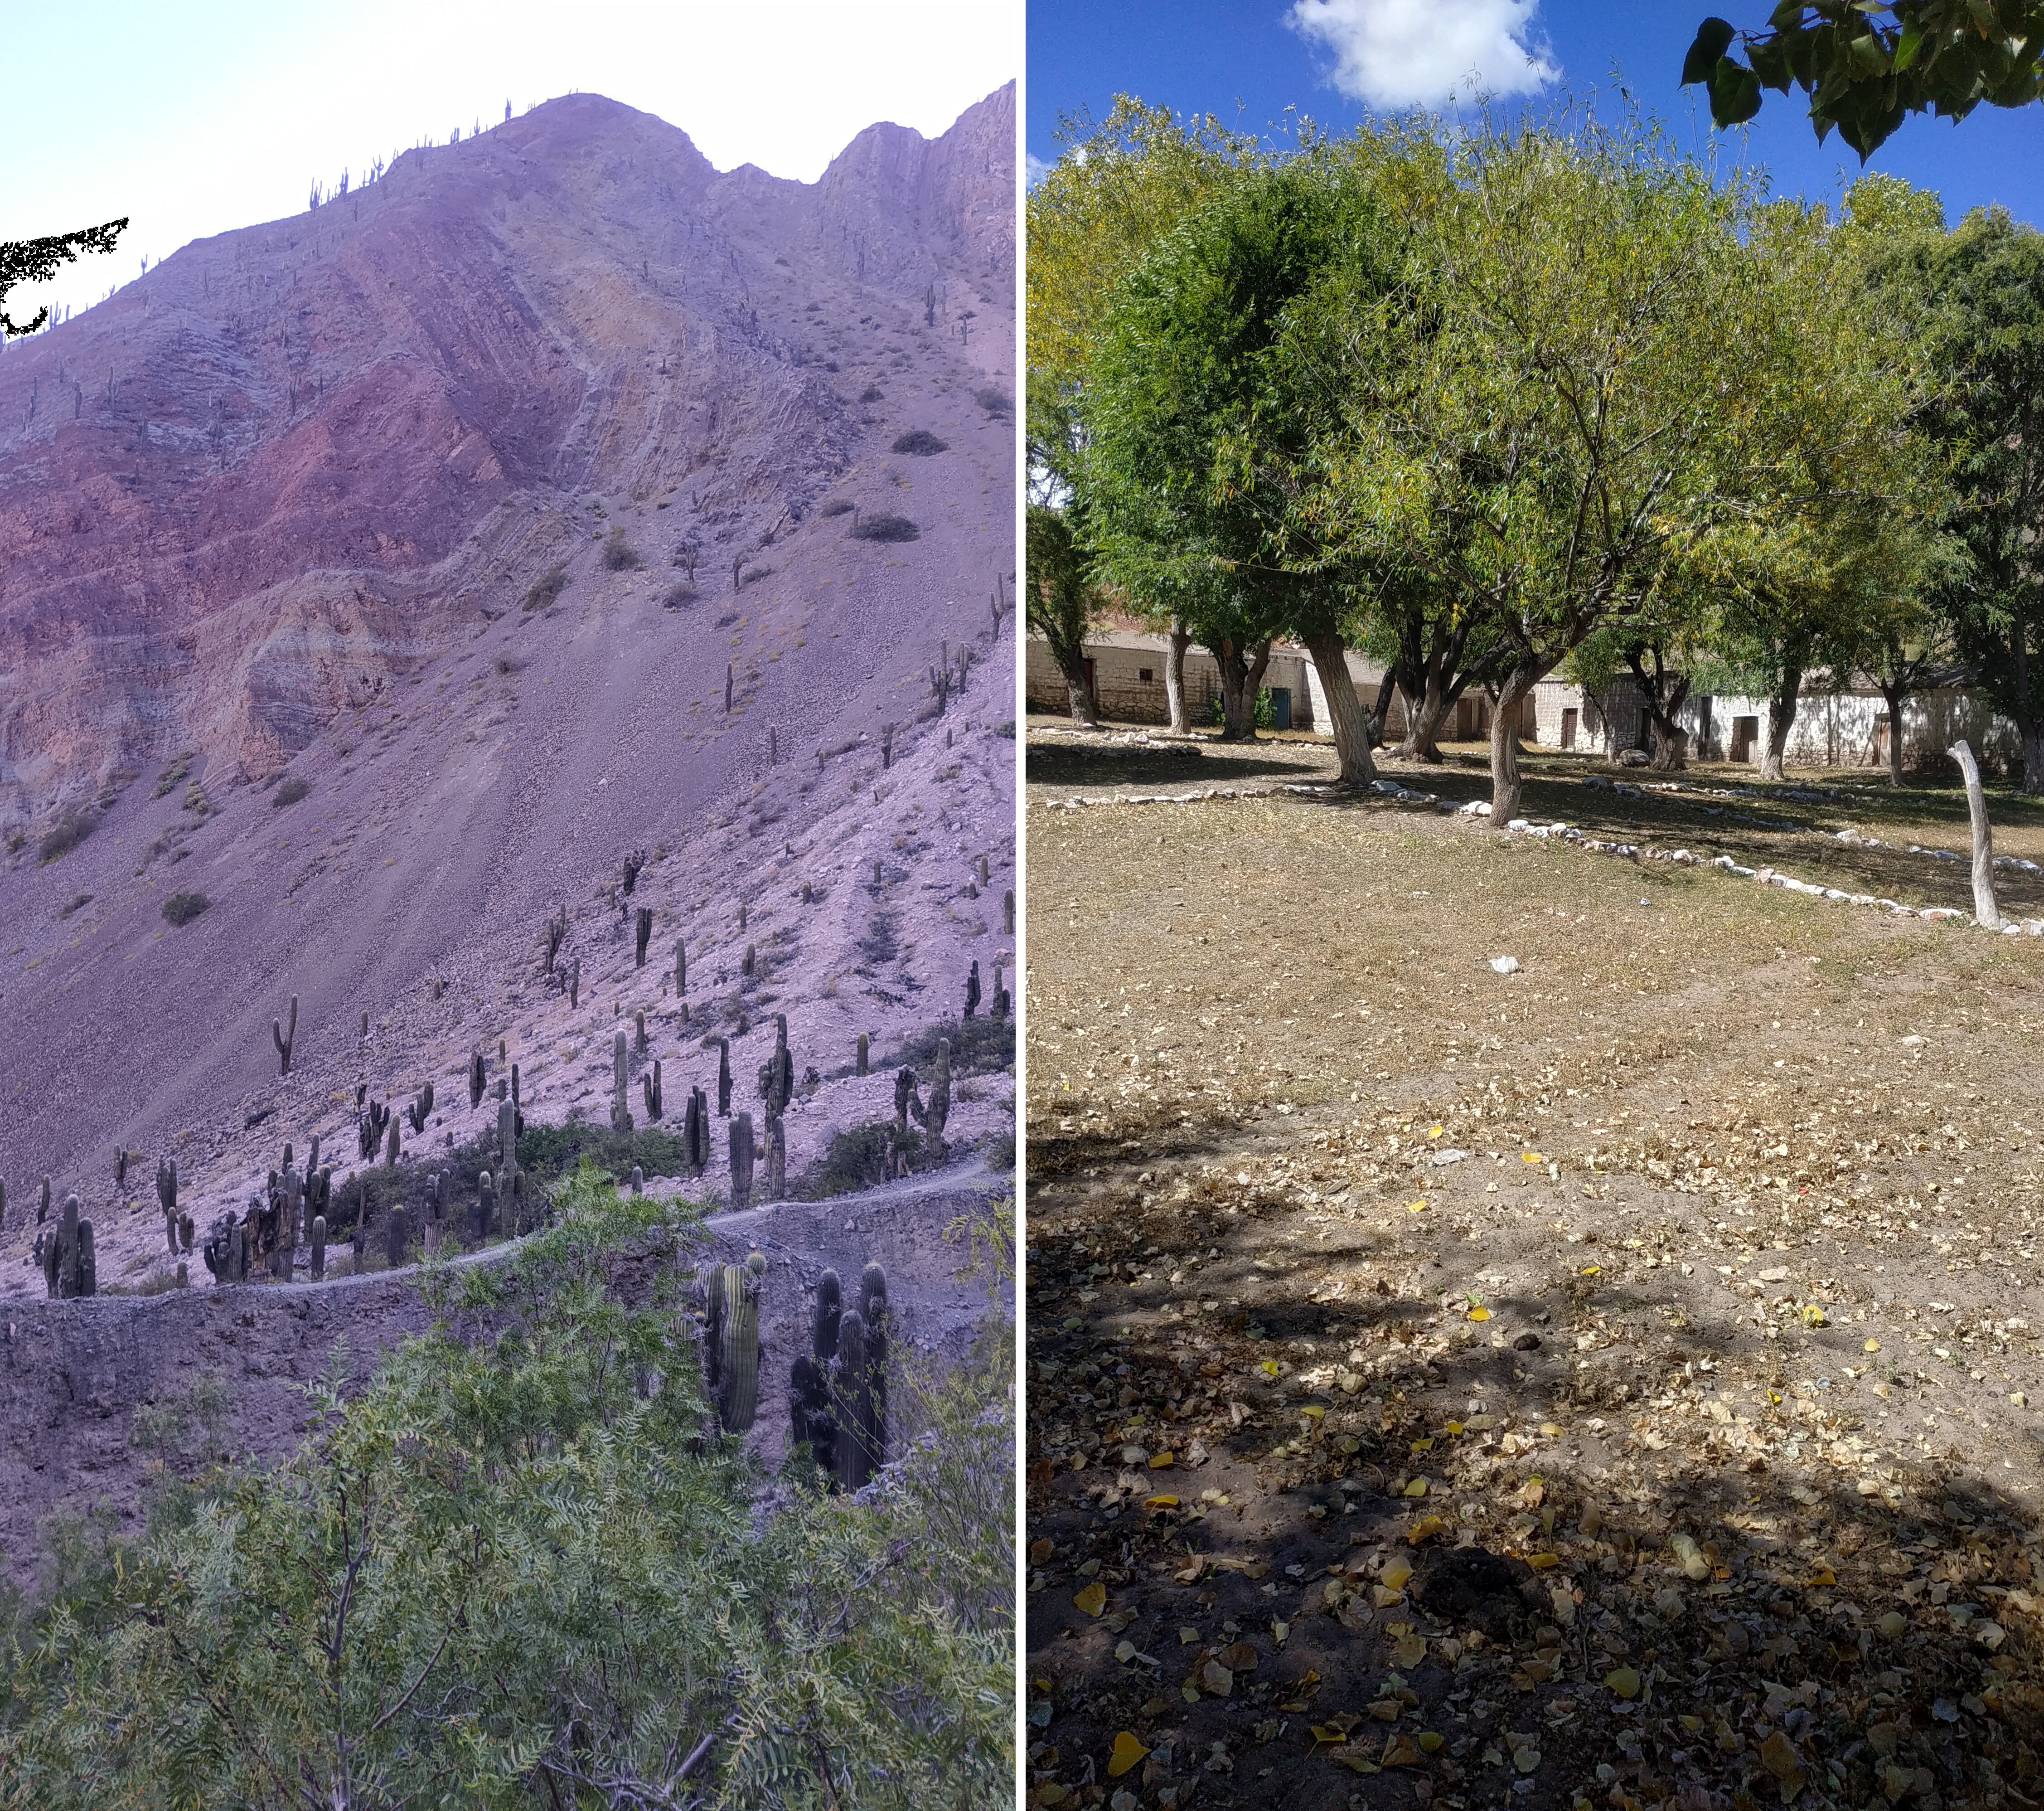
{"type": "Point", "coordinates": [1982, 328]}
{"type": "Point", "coordinates": [1867, 65]}
{"type": "Point", "coordinates": [522, 1569]}
{"type": "Point", "coordinates": [37, 261]}
{"type": "Point", "coordinates": [1575, 420]}
{"type": "Point", "coordinates": [1204, 410]}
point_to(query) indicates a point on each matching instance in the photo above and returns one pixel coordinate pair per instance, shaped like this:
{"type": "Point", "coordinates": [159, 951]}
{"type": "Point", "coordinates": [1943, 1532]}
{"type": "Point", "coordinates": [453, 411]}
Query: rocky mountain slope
{"type": "Point", "coordinates": [385, 576]}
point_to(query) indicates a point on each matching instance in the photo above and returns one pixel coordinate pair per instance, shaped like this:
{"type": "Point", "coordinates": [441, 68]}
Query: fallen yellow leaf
{"type": "Point", "coordinates": [1397, 1571]}
{"type": "Point", "coordinates": [1425, 1528]}
{"type": "Point", "coordinates": [1161, 1461]}
{"type": "Point", "coordinates": [1411, 1650]}
{"type": "Point", "coordinates": [1455, 1426]}
{"type": "Point", "coordinates": [1314, 1410]}
{"type": "Point", "coordinates": [1092, 1599]}
{"type": "Point", "coordinates": [1873, 1345]}
{"type": "Point", "coordinates": [1426, 1445]}
{"type": "Point", "coordinates": [1160, 1502]}
{"type": "Point", "coordinates": [1327, 1732]}
{"type": "Point", "coordinates": [1430, 1741]}
{"type": "Point", "coordinates": [1623, 1680]}
{"type": "Point", "coordinates": [1479, 1313]}
{"type": "Point", "coordinates": [1531, 1157]}
{"type": "Point", "coordinates": [1590, 1270]}
{"type": "Point", "coordinates": [1416, 1488]}
{"type": "Point", "coordinates": [1127, 1751]}
{"type": "Point", "coordinates": [1540, 1562]}
{"type": "Point", "coordinates": [1415, 1207]}
{"type": "Point", "coordinates": [1268, 1367]}
{"type": "Point", "coordinates": [1434, 1131]}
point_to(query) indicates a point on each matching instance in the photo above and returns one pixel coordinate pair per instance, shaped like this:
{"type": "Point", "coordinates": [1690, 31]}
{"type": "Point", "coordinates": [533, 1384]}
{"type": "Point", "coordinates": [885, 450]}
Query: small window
{"type": "Point", "coordinates": [1144, 675]}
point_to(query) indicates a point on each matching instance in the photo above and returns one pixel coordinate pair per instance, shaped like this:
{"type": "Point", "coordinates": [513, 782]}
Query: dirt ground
{"type": "Point", "coordinates": [1613, 1382]}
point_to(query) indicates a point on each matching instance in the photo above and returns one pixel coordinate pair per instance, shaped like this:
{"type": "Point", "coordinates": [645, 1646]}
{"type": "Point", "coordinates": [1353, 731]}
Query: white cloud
{"type": "Point", "coordinates": [1034, 168]}
{"type": "Point", "coordinates": [1418, 53]}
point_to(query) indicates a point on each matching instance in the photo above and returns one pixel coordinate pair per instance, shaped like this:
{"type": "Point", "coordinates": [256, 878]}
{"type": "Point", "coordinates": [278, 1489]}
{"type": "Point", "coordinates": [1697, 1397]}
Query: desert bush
{"type": "Point", "coordinates": [837, 506]}
{"type": "Point", "coordinates": [856, 1159]}
{"type": "Point", "coordinates": [880, 526]}
{"type": "Point", "coordinates": [677, 594]}
{"type": "Point", "coordinates": [77, 902]}
{"type": "Point", "coordinates": [920, 441]}
{"type": "Point", "coordinates": [174, 770]}
{"type": "Point", "coordinates": [994, 401]}
{"type": "Point", "coordinates": [547, 587]}
{"type": "Point", "coordinates": [65, 835]}
{"type": "Point", "coordinates": [979, 1046]}
{"type": "Point", "coordinates": [182, 908]}
{"type": "Point", "coordinates": [293, 788]}
{"type": "Point", "coordinates": [619, 555]}
{"type": "Point", "coordinates": [873, 393]}
{"type": "Point", "coordinates": [525, 1523]}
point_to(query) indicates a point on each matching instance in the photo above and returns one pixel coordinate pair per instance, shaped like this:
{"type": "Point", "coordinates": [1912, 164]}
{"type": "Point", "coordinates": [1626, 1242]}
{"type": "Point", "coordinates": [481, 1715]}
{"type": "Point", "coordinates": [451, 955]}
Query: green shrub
{"type": "Point", "coordinates": [530, 1525]}
{"type": "Point", "coordinates": [881, 526]}
{"type": "Point", "coordinates": [66, 834]}
{"type": "Point", "coordinates": [182, 908]}
{"type": "Point", "coordinates": [856, 1159]}
{"type": "Point", "coordinates": [547, 587]}
{"type": "Point", "coordinates": [178, 766]}
{"type": "Point", "coordinates": [979, 1046]}
{"type": "Point", "coordinates": [294, 787]}
{"type": "Point", "coordinates": [920, 441]}
{"type": "Point", "coordinates": [618, 556]}
{"type": "Point", "coordinates": [1266, 713]}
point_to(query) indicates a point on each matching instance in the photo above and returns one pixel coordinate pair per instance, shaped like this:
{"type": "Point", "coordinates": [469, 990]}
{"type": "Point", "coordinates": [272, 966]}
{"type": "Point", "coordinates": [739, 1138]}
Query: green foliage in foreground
{"type": "Point", "coordinates": [514, 1572]}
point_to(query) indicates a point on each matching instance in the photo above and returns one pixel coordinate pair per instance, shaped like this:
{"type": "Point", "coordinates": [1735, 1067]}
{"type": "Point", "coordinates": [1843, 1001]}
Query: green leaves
{"type": "Point", "coordinates": [1868, 65]}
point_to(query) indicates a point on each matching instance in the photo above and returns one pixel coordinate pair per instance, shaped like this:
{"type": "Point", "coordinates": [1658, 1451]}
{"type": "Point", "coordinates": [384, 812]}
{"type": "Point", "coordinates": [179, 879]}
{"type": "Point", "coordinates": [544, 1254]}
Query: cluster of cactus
{"type": "Point", "coordinates": [65, 1253]}
{"type": "Point", "coordinates": [372, 1119]}
{"type": "Point", "coordinates": [729, 1296]}
{"type": "Point", "coordinates": [777, 1089]}
{"type": "Point", "coordinates": [650, 1085]}
{"type": "Point", "coordinates": [420, 1110]}
{"type": "Point", "coordinates": [837, 1393]}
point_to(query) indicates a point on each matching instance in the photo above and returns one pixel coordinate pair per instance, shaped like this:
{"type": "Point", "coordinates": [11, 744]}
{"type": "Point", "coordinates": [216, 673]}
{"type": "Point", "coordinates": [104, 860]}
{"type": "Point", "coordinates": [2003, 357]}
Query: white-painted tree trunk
{"type": "Point", "coordinates": [1985, 911]}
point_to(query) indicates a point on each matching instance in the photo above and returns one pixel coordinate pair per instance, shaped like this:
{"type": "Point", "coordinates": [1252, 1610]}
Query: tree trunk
{"type": "Point", "coordinates": [1505, 780]}
{"type": "Point", "coordinates": [1241, 675]}
{"type": "Point", "coordinates": [2033, 759]}
{"type": "Point", "coordinates": [1985, 911]}
{"type": "Point", "coordinates": [1345, 711]}
{"type": "Point", "coordinates": [1377, 717]}
{"type": "Point", "coordinates": [1781, 719]}
{"type": "Point", "coordinates": [1423, 721]}
{"type": "Point", "coordinates": [1895, 700]}
{"type": "Point", "coordinates": [1080, 697]}
{"type": "Point", "coordinates": [1175, 675]}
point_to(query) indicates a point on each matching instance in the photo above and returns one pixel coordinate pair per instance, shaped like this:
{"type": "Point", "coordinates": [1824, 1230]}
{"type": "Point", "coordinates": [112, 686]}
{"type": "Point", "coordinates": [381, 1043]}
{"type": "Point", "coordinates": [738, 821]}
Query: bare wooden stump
{"type": "Point", "coordinates": [1985, 911]}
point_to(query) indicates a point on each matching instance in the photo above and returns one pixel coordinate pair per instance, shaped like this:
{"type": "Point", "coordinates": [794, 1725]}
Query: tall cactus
{"type": "Point", "coordinates": [639, 1030]}
{"type": "Point", "coordinates": [681, 970]}
{"type": "Point", "coordinates": [776, 1159]}
{"type": "Point", "coordinates": [486, 1207]}
{"type": "Point", "coordinates": [166, 1195]}
{"type": "Point", "coordinates": [3, 1202]}
{"type": "Point", "coordinates": [475, 1080]}
{"type": "Point", "coordinates": [643, 930]}
{"type": "Point", "coordinates": [939, 1110]}
{"type": "Point", "coordinates": [873, 1310]}
{"type": "Point", "coordinates": [864, 1052]}
{"type": "Point", "coordinates": [999, 1009]}
{"type": "Point", "coordinates": [852, 1404]}
{"type": "Point", "coordinates": [420, 1110]}
{"type": "Point", "coordinates": [283, 1038]}
{"type": "Point", "coordinates": [574, 984]}
{"type": "Point", "coordinates": [723, 1078]}
{"type": "Point", "coordinates": [743, 1152]}
{"type": "Point", "coordinates": [69, 1269]}
{"type": "Point", "coordinates": [507, 1139]}
{"type": "Point", "coordinates": [650, 1085]}
{"type": "Point", "coordinates": [620, 1063]}
{"type": "Point", "coordinates": [780, 1070]}
{"type": "Point", "coordinates": [731, 1343]}
{"type": "Point", "coordinates": [1007, 913]}
{"type": "Point", "coordinates": [319, 1247]}
{"type": "Point", "coordinates": [972, 990]}
{"type": "Point", "coordinates": [391, 1149]}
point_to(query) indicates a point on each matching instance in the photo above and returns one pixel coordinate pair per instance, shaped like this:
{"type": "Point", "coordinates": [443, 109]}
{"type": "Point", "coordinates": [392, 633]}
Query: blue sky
{"type": "Point", "coordinates": [1247, 61]}
{"type": "Point", "coordinates": [212, 114]}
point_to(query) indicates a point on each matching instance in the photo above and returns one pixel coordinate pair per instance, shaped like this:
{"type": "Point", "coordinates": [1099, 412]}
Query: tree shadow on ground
{"type": "Point", "coordinates": [1396, 1546]}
